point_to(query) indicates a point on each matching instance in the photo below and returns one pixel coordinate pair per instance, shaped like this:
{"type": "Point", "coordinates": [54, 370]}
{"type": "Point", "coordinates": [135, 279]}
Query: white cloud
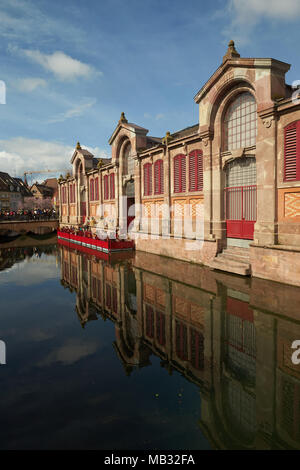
{"type": "Point", "coordinates": [159, 116]}
{"type": "Point", "coordinates": [20, 154]}
{"type": "Point", "coordinates": [28, 85]}
{"type": "Point", "coordinates": [73, 112]}
{"type": "Point", "coordinates": [63, 66]}
{"type": "Point", "coordinates": [72, 351]}
{"type": "Point", "coordinates": [246, 14]}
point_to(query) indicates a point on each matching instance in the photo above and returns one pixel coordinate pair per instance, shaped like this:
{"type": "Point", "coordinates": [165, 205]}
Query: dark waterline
{"type": "Point", "coordinates": [144, 353]}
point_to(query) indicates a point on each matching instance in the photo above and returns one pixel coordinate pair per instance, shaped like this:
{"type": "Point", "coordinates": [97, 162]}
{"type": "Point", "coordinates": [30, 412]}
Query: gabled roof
{"type": "Point", "coordinates": [43, 189]}
{"type": "Point", "coordinates": [25, 191]}
{"type": "Point", "coordinates": [7, 182]}
{"type": "Point", "coordinates": [130, 126]}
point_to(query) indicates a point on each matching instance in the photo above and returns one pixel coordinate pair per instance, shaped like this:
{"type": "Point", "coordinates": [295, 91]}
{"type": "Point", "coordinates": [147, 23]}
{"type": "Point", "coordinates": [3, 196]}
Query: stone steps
{"type": "Point", "coordinates": [233, 260]}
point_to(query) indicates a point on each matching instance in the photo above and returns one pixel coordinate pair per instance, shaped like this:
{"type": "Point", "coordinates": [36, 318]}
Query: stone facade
{"type": "Point", "coordinates": [240, 194]}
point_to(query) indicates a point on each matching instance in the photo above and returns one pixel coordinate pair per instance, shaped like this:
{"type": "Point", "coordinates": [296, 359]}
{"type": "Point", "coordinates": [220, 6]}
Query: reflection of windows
{"type": "Point", "coordinates": [149, 321]}
{"type": "Point", "coordinates": [181, 341]}
{"type": "Point", "coordinates": [290, 407]}
{"type": "Point", "coordinates": [160, 328]}
{"type": "Point", "coordinates": [240, 122]}
{"type": "Point", "coordinates": [240, 407]}
{"type": "Point", "coordinates": [74, 275]}
{"type": "Point", "coordinates": [108, 296]}
{"type": "Point", "coordinates": [240, 339]}
{"type": "Point", "coordinates": [115, 300]}
{"type": "Point", "coordinates": [197, 349]}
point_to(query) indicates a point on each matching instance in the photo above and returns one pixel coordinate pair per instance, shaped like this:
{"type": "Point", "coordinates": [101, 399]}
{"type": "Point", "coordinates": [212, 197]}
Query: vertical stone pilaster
{"type": "Point", "coordinates": [207, 185]}
{"type": "Point", "coordinates": [166, 228]}
{"type": "Point", "coordinates": [266, 227]}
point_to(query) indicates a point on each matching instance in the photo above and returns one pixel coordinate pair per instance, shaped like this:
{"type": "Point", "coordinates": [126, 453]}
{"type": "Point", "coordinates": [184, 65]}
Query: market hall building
{"type": "Point", "coordinates": [238, 170]}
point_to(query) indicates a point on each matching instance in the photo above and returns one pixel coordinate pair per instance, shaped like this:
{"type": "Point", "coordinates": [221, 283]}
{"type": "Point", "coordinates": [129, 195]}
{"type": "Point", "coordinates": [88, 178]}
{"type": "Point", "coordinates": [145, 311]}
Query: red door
{"type": "Point", "coordinates": [130, 218]}
{"type": "Point", "coordinates": [240, 204]}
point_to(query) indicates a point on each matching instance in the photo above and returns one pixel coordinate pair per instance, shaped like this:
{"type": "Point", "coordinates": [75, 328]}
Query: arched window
{"type": "Point", "coordinates": [112, 185]}
{"type": "Point", "coordinates": [128, 161]}
{"type": "Point", "coordinates": [158, 177]}
{"type": "Point", "coordinates": [196, 171]}
{"type": "Point", "coordinates": [179, 174]}
{"type": "Point", "coordinates": [240, 122]}
{"type": "Point", "coordinates": [147, 179]}
{"type": "Point", "coordinates": [292, 152]}
{"type": "Point", "coordinates": [106, 188]}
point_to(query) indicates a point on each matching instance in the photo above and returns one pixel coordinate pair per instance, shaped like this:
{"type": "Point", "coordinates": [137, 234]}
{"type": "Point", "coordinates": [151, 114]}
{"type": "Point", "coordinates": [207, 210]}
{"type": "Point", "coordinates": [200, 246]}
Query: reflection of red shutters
{"type": "Point", "coordinates": [181, 341]}
{"type": "Point", "coordinates": [149, 321]}
{"type": "Point", "coordinates": [179, 174]}
{"type": "Point", "coordinates": [197, 349]}
{"type": "Point", "coordinates": [147, 179]}
{"type": "Point", "coordinates": [196, 171]}
{"type": "Point", "coordinates": [115, 299]}
{"type": "Point", "coordinates": [158, 177]}
{"type": "Point", "coordinates": [292, 152]}
{"type": "Point", "coordinates": [98, 290]}
{"type": "Point", "coordinates": [112, 186]}
{"type": "Point", "coordinates": [108, 296]}
{"type": "Point", "coordinates": [160, 328]}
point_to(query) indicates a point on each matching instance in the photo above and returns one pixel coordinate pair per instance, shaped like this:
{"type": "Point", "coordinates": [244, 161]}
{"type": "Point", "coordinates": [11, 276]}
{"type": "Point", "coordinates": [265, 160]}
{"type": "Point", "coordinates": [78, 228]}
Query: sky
{"type": "Point", "coordinates": [71, 67]}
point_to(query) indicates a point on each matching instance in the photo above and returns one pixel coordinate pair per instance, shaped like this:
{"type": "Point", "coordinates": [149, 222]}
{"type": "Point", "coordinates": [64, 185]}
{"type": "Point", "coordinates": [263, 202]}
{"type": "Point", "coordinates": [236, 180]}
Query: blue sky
{"type": "Point", "coordinates": [71, 67]}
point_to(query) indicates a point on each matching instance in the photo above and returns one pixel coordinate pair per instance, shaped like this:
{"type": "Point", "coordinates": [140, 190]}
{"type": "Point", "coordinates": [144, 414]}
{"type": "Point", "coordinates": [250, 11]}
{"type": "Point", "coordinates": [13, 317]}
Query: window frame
{"type": "Point", "coordinates": [292, 125]}
{"type": "Point", "coordinates": [182, 175]}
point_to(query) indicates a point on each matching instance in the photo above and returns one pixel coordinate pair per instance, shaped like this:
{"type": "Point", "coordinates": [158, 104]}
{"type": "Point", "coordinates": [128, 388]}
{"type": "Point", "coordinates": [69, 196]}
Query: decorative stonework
{"type": "Point", "coordinates": [292, 205]}
{"type": "Point", "coordinates": [268, 122]}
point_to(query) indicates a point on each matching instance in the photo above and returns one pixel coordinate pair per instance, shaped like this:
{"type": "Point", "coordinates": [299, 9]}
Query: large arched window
{"type": "Point", "coordinates": [128, 161]}
{"type": "Point", "coordinates": [240, 122]}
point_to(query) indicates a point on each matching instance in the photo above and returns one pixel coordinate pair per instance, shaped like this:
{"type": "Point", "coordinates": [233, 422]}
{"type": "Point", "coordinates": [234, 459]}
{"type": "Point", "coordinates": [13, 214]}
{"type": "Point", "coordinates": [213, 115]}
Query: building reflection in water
{"type": "Point", "coordinates": [228, 335]}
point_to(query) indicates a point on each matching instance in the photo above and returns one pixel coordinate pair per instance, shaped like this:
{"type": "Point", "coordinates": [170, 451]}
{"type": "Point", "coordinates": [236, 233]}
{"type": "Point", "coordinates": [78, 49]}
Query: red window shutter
{"type": "Point", "coordinates": [106, 187]}
{"type": "Point", "coordinates": [147, 179]}
{"type": "Point", "coordinates": [196, 171]}
{"type": "Point", "coordinates": [200, 171]}
{"type": "Point", "coordinates": [179, 174]}
{"type": "Point", "coordinates": [92, 190]}
{"type": "Point", "coordinates": [192, 172]}
{"type": "Point", "coordinates": [97, 189]}
{"type": "Point", "coordinates": [158, 177]}
{"type": "Point", "coordinates": [292, 152]}
{"type": "Point", "coordinates": [112, 186]}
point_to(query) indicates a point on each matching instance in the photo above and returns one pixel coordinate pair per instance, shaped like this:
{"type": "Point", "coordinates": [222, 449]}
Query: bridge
{"type": "Point", "coordinates": [24, 226]}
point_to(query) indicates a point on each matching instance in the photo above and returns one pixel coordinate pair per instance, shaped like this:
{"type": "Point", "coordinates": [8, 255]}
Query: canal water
{"type": "Point", "coordinates": [143, 352]}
